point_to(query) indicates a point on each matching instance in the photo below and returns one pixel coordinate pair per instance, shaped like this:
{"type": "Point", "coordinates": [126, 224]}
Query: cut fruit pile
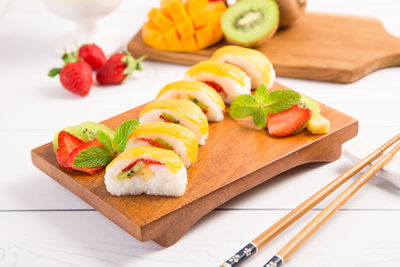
{"type": "Point", "coordinates": [184, 27]}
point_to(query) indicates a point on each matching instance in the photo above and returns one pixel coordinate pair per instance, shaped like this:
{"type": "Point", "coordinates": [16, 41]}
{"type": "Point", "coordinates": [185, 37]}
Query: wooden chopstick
{"type": "Point", "coordinates": [326, 213]}
{"type": "Point", "coordinates": [260, 241]}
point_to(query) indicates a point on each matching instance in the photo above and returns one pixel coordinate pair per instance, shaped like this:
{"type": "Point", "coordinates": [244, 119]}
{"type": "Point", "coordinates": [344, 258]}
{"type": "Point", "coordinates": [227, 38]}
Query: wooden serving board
{"type": "Point", "coordinates": [317, 47]}
{"type": "Point", "coordinates": [235, 158]}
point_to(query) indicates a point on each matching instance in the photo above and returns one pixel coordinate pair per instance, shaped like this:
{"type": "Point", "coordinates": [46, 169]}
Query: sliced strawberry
{"type": "Point", "coordinates": [287, 122]}
{"type": "Point", "coordinates": [215, 86]}
{"type": "Point", "coordinates": [80, 148]}
{"type": "Point", "coordinates": [66, 144]}
{"type": "Point", "coordinates": [145, 161]}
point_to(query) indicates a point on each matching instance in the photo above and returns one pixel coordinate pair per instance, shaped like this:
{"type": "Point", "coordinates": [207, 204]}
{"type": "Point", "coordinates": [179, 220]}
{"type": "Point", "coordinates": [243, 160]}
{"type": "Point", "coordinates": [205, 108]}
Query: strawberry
{"type": "Point", "coordinates": [66, 144]}
{"type": "Point", "coordinates": [75, 76]}
{"type": "Point", "coordinates": [288, 121]}
{"type": "Point", "coordinates": [118, 68]}
{"type": "Point", "coordinates": [80, 148]}
{"type": "Point", "coordinates": [92, 55]}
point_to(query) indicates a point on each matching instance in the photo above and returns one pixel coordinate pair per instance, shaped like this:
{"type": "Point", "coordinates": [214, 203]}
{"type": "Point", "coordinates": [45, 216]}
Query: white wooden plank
{"type": "Point", "coordinates": [362, 238]}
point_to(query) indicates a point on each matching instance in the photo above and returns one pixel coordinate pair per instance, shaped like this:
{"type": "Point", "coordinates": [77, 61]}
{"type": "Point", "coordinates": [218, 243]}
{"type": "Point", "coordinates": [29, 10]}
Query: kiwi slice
{"type": "Point", "coordinates": [311, 104]}
{"type": "Point", "coordinates": [250, 22]}
{"type": "Point", "coordinates": [132, 171]}
{"type": "Point", "coordinates": [86, 131]}
{"type": "Point", "coordinates": [90, 129]}
{"type": "Point", "coordinates": [290, 11]}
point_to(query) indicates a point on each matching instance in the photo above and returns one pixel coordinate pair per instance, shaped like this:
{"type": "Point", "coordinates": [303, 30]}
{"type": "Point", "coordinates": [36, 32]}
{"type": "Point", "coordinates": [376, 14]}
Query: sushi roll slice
{"type": "Point", "coordinates": [199, 93]}
{"type": "Point", "coordinates": [228, 80]}
{"type": "Point", "coordinates": [168, 136]}
{"type": "Point", "coordinates": [253, 62]}
{"type": "Point", "coordinates": [178, 111]}
{"type": "Point", "coordinates": [149, 170]}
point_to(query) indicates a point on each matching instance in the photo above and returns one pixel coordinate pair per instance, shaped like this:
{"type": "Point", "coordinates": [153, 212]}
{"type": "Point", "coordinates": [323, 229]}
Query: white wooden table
{"type": "Point", "coordinates": [43, 224]}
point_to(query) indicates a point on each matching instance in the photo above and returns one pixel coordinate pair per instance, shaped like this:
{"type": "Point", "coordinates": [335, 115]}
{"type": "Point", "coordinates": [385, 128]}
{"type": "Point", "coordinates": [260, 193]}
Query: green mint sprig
{"type": "Point", "coordinates": [262, 104]}
{"type": "Point", "coordinates": [98, 156]}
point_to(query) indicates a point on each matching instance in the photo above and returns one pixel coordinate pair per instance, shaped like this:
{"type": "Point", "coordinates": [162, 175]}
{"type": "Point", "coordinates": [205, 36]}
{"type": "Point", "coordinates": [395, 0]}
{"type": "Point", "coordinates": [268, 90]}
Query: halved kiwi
{"type": "Point", "coordinates": [250, 22]}
{"type": "Point", "coordinates": [290, 11]}
{"type": "Point", "coordinates": [86, 131]}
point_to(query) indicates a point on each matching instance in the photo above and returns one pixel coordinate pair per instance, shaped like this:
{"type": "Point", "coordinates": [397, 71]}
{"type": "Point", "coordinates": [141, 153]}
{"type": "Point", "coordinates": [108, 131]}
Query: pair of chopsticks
{"type": "Point", "coordinates": [277, 260]}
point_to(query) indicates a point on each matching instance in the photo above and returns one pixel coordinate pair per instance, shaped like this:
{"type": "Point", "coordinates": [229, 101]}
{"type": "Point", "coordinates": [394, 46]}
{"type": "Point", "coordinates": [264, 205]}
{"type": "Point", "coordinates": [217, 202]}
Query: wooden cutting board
{"type": "Point", "coordinates": [235, 158]}
{"type": "Point", "coordinates": [317, 47]}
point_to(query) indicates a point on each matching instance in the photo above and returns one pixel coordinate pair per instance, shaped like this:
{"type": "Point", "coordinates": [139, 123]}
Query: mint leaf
{"type": "Point", "coordinates": [243, 106]}
{"type": "Point", "coordinates": [261, 94]}
{"type": "Point", "coordinates": [260, 117]}
{"type": "Point", "coordinates": [95, 156]}
{"type": "Point", "coordinates": [105, 140]}
{"type": "Point", "coordinates": [122, 133]}
{"type": "Point", "coordinates": [280, 100]}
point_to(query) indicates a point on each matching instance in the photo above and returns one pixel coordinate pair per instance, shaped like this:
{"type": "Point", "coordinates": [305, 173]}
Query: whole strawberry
{"type": "Point", "coordinates": [76, 76]}
{"type": "Point", "coordinates": [92, 55]}
{"type": "Point", "coordinates": [118, 68]}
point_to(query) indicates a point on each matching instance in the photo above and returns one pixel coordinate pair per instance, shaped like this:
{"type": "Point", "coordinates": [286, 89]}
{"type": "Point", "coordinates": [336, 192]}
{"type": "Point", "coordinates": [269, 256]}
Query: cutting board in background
{"type": "Point", "coordinates": [317, 47]}
{"type": "Point", "coordinates": [234, 159]}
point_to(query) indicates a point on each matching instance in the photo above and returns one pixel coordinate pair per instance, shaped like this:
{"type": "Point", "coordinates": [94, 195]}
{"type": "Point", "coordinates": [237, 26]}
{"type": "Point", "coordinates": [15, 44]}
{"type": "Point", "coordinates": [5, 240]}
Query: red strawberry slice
{"type": "Point", "coordinates": [215, 86]}
{"type": "Point", "coordinates": [92, 55]}
{"type": "Point", "coordinates": [80, 148]}
{"type": "Point", "coordinates": [288, 121]}
{"type": "Point", "coordinates": [66, 144]}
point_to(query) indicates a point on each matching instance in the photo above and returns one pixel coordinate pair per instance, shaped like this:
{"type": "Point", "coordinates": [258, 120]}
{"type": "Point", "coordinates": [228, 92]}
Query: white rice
{"type": "Point", "coordinates": [251, 70]}
{"type": "Point", "coordinates": [178, 145]}
{"type": "Point", "coordinates": [163, 183]}
{"type": "Point", "coordinates": [154, 116]}
{"type": "Point", "coordinates": [231, 87]}
{"type": "Point", "coordinates": [214, 113]}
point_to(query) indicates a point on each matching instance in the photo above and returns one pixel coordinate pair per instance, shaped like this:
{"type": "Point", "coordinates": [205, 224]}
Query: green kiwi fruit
{"type": "Point", "coordinates": [290, 11]}
{"type": "Point", "coordinates": [250, 22]}
{"type": "Point", "coordinates": [311, 104]}
{"type": "Point", "coordinates": [86, 131]}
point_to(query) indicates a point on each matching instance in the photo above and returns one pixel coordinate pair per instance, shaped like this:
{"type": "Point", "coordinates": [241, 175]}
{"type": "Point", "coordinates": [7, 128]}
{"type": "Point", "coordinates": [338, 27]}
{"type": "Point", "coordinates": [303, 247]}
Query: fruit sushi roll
{"type": "Point", "coordinates": [253, 62]}
{"type": "Point", "coordinates": [178, 111]}
{"type": "Point", "coordinates": [168, 136]}
{"type": "Point", "coordinates": [228, 80]}
{"type": "Point", "coordinates": [199, 93]}
{"type": "Point", "coordinates": [149, 170]}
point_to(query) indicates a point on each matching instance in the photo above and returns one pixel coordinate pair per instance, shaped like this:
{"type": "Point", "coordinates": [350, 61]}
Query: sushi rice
{"type": "Point", "coordinates": [168, 180]}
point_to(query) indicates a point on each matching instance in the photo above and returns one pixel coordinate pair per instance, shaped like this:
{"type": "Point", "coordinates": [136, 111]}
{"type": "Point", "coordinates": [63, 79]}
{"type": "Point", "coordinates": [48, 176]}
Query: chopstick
{"type": "Point", "coordinates": [260, 241]}
{"type": "Point", "coordinates": [326, 213]}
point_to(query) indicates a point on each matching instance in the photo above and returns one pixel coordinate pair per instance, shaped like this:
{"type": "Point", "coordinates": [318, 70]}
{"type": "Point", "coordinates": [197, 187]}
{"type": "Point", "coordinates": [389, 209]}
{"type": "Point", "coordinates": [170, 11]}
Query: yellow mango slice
{"type": "Point", "coordinates": [194, 6]}
{"type": "Point", "coordinates": [186, 28]}
{"type": "Point", "coordinates": [204, 37]}
{"type": "Point", "coordinates": [172, 40]}
{"type": "Point", "coordinates": [159, 19]}
{"type": "Point", "coordinates": [175, 10]}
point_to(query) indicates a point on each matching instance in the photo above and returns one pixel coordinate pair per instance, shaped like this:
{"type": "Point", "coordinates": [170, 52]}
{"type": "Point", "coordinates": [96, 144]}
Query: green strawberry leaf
{"type": "Point", "coordinates": [95, 156]}
{"type": "Point", "coordinates": [54, 72]}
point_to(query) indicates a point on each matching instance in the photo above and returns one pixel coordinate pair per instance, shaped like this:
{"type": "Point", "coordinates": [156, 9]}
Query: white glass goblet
{"type": "Point", "coordinates": [85, 13]}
